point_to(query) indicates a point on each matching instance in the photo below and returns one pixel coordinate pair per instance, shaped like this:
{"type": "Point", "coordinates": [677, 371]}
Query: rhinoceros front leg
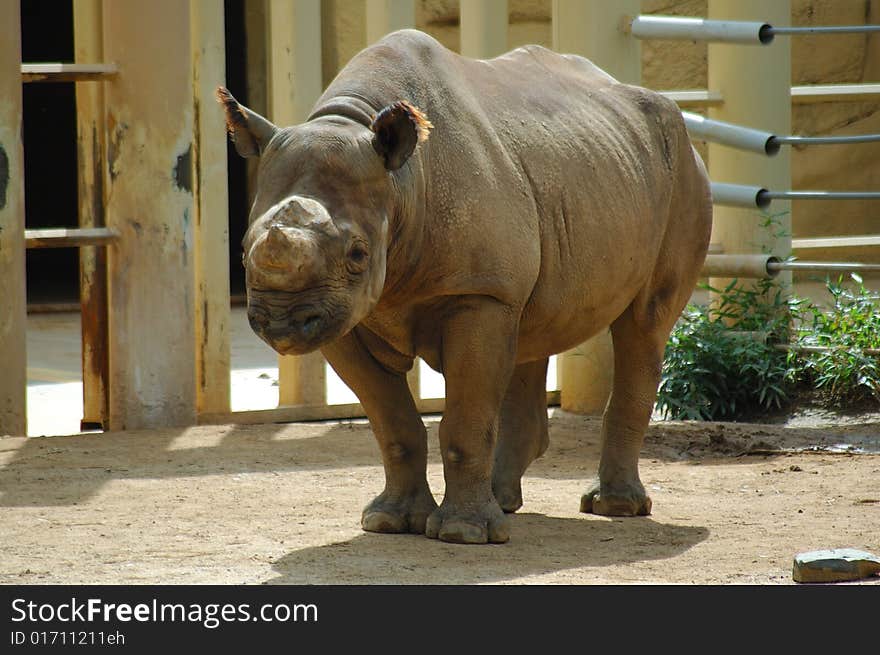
{"type": "Point", "coordinates": [522, 434]}
{"type": "Point", "coordinates": [638, 357]}
{"type": "Point", "coordinates": [406, 502]}
{"type": "Point", "coordinates": [479, 347]}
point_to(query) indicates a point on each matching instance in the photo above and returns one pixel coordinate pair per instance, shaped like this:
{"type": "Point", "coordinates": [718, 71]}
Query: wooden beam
{"type": "Point", "coordinates": [294, 86]}
{"type": "Point", "coordinates": [861, 241]}
{"type": "Point", "coordinates": [211, 226]}
{"type": "Point", "coordinates": [91, 173]}
{"type": "Point", "coordinates": [322, 412]}
{"type": "Point", "coordinates": [483, 28]}
{"type": "Point", "coordinates": [835, 93]}
{"type": "Point", "coordinates": [79, 72]}
{"type": "Point", "coordinates": [13, 312]}
{"type": "Point", "coordinates": [695, 98]}
{"type": "Point", "coordinates": [63, 237]}
{"type": "Point", "coordinates": [385, 16]}
{"type": "Point", "coordinates": [595, 29]}
{"type": "Point", "coordinates": [149, 120]}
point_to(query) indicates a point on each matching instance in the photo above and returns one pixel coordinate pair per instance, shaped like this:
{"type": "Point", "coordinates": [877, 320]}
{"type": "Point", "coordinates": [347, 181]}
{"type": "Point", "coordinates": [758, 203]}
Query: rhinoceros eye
{"type": "Point", "coordinates": [357, 258]}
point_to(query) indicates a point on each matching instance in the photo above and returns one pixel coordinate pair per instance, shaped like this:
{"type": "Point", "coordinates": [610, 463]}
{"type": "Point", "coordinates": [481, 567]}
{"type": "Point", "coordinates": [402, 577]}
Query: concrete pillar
{"type": "Point", "coordinates": [13, 308]}
{"type": "Point", "coordinates": [483, 28]}
{"type": "Point", "coordinates": [593, 29]}
{"type": "Point", "coordinates": [150, 133]}
{"type": "Point", "coordinates": [294, 34]}
{"type": "Point", "coordinates": [211, 230]}
{"type": "Point", "coordinates": [384, 16]}
{"type": "Point", "coordinates": [294, 29]}
{"type": "Point", "coordinates": [755, 82]}
{"type": "Point", "coordinates": [91, 172]}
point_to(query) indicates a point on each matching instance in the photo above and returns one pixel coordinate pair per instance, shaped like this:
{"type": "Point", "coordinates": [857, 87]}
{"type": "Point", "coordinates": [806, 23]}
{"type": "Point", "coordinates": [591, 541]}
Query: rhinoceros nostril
{"type": "Point", "coordinates": [311, 326]}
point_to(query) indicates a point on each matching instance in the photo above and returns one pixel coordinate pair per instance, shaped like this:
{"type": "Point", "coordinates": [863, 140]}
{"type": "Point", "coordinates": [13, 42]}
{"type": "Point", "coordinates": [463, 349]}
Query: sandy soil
{"type": "Point", "coordinates": [733, 503]}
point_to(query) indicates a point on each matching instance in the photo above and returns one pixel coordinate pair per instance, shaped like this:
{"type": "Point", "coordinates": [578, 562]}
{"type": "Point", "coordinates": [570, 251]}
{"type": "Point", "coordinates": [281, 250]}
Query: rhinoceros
{"type": "Point", "coordinates": [482, 215]}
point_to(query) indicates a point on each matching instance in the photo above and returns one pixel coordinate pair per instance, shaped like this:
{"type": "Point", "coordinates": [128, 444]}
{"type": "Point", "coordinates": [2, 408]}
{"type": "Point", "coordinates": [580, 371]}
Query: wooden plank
{"type": "Point", "coordinates": [695, 98]}
{"type": "Point", "coordinates": [594, 29]}
{"type": "Point", "coordinates": [58, 72]}
{"type": "Point", "coordinates": [385, 16]}
{"type": "Point", "coordinates": [294, 86]}
{"type": "Point", "coordinates": [63, 237]}
{"type": "Point", "coordinates": [867, 240]}
{"type": "Point", "coordinates": [322, 412]}
{"type": "Point", "coordinates": [835, 93]}
{"type": "Point", "coordinates": [13, 312]}
{"type": "Point", "coordinates": [483, 28]}
{"type": "Point", "coordinates": [212, 319]}
{"type": "Point", "coordinates": [149, 120]}
{"type": "Point", "coordinates": [91, 171]}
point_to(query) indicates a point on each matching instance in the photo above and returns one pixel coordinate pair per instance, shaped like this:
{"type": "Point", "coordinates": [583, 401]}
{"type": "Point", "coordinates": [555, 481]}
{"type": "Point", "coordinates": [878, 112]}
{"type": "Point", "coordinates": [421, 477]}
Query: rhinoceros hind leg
{"type": "Point", "coordinates": [639, 336]}
{"type": "Point", "coordinates": [399, 513]}
{"type": "Point", "coordinates": [522, 432]}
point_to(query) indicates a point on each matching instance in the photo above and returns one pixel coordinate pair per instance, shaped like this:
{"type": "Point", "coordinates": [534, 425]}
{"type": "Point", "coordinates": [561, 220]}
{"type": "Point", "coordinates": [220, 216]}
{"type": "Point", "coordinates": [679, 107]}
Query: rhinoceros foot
{"type": "Point", "coordinates": [508, 492]}
{"type": "Point", "coordinates": [484, 524]}
{"type": "Point", "coordinates": [616, 500]}
{"type": "Point", "coordinates": [399, 513]}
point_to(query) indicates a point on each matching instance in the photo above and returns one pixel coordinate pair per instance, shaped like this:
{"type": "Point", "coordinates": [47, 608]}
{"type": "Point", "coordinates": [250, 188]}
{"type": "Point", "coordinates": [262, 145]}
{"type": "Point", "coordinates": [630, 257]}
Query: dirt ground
{"type": "Point", "coordinates": [733, 504]}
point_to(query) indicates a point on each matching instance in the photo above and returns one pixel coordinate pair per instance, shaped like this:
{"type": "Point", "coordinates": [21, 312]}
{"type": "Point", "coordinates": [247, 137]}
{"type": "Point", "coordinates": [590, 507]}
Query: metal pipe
{"type": "Point", "coordinates": [700, 29]}
{"type": "Point", "coordinates": [821, 195]}
{"type": "Point", "coordinates": [737, 136]}
{"type": "Point", "coordinates": [739, 195]}
{"type": "Point", "coordinates": [748, 266]}
{"type": "Point", "coordinates": [822, 266]}
{"type": "Point", "coordinates": [824, 140]}
{"type": "Point", "coordinates": [830, 29]}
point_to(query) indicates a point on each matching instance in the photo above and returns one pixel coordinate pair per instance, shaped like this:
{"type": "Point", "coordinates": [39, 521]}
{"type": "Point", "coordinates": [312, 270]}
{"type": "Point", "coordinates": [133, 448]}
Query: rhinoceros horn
{"type": "Point", "coordinates": [284, 258]}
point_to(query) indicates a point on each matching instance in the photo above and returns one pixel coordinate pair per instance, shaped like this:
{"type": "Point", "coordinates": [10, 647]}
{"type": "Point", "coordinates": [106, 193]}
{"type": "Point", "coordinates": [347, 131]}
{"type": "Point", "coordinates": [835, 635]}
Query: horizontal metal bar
{"type": "Point", "coordinates": [62, 72]}
{"type": "Point", "coordinates": [825, 140]}
{"type": "Point", "coordinates": [729, 134]}
{"type": "Point", "coordinates": [701, 29]}
{"type": "Point", "coordinates": [822, 195]}
{"type": "Point", "coordinates": [69, 237]}
{"type": "Point", "coordinates": [828, 29]}
{"type": "Point", "coordinates": [739, 195]}
{"type": "Point", "coordinates": [739, 265]}
{"type": "Point", "coordinates": [822, 266]}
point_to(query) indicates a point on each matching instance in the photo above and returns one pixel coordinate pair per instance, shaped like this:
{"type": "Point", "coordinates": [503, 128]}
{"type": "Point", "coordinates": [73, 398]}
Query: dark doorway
{"type": "Point", "coordinates": [50, 186]}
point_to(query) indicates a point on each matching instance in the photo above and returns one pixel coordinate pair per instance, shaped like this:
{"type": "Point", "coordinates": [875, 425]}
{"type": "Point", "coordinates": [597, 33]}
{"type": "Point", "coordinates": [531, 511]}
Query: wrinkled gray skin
{"type": "Point", "coordinates": [549, 203]}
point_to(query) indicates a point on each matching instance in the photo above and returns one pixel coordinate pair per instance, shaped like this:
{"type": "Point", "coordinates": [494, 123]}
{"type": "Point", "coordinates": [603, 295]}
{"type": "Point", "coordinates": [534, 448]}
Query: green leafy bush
{"type": "Point", "coordinates": [712, 372]}
{"type": "Point", "coordinates": [843, 373]}
{"type": "Point", "coordinates": [722, 362]}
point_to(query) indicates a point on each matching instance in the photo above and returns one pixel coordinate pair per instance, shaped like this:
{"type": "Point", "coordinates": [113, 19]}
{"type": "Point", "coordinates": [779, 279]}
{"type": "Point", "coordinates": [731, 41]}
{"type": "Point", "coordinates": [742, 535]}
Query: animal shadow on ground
{"type": "Point", "coordinates": [539, 544]}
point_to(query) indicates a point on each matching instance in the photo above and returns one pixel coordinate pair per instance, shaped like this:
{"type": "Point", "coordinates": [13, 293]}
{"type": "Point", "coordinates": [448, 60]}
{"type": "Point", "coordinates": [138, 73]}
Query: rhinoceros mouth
{"type": "Point", "coordinates": [294, 328]}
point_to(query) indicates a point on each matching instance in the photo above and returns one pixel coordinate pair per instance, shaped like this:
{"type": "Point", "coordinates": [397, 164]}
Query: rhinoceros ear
{"type": "Point", "coordinates": [397, 130]}
{"type": "Point", "coordinates": [249, 131]}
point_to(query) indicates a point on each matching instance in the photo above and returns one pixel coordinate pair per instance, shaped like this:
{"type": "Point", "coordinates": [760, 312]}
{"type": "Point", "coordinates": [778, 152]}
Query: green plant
{"type": "Point", "coordinates": [712, 371]}
{"type": "Point", "coordinates": [834, 346]}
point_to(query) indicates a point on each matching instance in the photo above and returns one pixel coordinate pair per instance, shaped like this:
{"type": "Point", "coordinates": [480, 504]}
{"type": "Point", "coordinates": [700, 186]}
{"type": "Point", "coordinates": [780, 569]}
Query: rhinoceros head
{"type": "Point", "coordinates": [315, 249]}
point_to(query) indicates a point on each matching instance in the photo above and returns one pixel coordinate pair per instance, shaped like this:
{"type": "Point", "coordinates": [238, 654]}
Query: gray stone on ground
{"type": "Point", "coordinates": [837, 565]}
